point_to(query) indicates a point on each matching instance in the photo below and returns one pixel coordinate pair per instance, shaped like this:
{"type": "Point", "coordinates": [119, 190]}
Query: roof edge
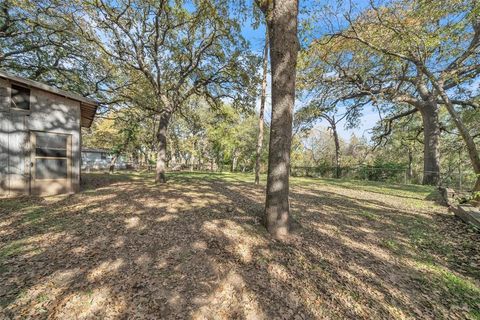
{"type": "Point", "coordinates": [45, 87]}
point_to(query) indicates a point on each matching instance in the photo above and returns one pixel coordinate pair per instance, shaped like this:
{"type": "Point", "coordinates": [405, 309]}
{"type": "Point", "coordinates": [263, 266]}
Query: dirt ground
{"type": "Point", "coordinates": [194, 248]}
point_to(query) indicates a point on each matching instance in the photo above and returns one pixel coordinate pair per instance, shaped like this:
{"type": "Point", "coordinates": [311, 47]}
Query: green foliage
{"type": "Point", "coordinates": [38, 41]}
{"type": "Point", "coordinates": [118, 135]}
{"type": "Point", "coordinates": [383, 171]}
{"type": "Point", "coordinates": [382, 55]}
{"type": "Point", "coordinates": [220, 138]}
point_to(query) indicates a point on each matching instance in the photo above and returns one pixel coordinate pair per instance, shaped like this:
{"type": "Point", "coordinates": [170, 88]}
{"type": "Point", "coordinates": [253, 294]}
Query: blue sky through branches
{"type": "Point", "coordinates": [256, 37]}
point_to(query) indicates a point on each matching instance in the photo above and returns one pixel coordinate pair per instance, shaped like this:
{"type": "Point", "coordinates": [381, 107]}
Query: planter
{"type": "Point", "coordinates": [468, 214]}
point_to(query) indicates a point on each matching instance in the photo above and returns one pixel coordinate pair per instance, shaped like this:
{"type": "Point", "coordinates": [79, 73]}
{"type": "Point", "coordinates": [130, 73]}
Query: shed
{"type": "Point", "coordinates": [40, 137]}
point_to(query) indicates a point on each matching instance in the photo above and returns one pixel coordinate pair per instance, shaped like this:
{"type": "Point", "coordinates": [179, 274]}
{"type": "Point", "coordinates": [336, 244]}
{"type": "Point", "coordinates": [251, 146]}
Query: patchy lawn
{"type": "Point", "coordinates": [194, 249]}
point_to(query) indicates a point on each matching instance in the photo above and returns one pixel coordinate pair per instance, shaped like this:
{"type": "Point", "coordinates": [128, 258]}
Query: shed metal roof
{"type": "Point", "coordinates": [88, 107]}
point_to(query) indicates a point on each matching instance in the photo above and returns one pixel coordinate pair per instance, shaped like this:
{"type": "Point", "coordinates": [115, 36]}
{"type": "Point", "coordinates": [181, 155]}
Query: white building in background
{"type": "Point", "coordinates": [100, 159]}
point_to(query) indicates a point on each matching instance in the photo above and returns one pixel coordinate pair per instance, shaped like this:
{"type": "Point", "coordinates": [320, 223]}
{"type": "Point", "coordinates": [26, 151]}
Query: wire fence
{"type": "Point", "coordinates": [461, 181]}
{"type": "Point", "coordinates": [458, 180]}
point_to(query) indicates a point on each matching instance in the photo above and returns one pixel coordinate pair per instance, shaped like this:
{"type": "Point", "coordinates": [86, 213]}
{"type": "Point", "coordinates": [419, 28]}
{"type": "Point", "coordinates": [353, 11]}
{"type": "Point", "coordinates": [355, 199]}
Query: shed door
{"type": "Point", "coordinates": [14, 155]}
{"type": "Point", "coordinates": [51, 168]}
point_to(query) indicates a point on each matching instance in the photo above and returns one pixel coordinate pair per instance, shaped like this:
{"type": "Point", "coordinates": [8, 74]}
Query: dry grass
{"type": "Point", "coordinates": [194, 249]}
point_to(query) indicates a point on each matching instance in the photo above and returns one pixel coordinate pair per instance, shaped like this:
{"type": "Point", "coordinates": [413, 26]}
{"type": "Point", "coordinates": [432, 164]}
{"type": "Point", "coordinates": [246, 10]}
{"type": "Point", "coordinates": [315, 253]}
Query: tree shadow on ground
{"type": "Point", "coordinates": [194, 248]}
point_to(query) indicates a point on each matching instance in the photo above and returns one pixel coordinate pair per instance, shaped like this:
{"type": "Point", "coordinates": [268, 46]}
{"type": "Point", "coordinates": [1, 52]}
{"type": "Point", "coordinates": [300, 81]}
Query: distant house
{"type": "Point", "coordinates": [40, 138]}
{"type": "Point", "coordinates": [100, 159]}
{"type": "Point", "coordinates": [92, 155]}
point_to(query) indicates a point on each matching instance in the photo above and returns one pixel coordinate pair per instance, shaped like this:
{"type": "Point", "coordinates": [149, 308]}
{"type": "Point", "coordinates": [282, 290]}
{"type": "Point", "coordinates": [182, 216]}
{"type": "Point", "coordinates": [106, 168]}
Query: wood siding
{"type": "Point", "coordinates": [48, 113]}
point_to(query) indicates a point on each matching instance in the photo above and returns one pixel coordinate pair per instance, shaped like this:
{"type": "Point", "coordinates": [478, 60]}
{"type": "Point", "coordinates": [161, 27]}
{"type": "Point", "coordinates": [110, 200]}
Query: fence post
{"type": "Point", "coordinates": [405, 176]}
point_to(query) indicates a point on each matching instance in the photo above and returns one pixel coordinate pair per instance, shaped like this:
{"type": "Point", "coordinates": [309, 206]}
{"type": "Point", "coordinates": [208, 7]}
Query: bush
{"type": "Point", "coordinates": [382, 171]}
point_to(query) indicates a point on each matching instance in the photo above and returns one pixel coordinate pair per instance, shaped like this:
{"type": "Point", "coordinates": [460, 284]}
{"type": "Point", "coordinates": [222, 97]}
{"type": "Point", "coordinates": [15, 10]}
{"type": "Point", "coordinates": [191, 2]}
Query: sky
{"type": "Point", "coordinates": [256, 37]}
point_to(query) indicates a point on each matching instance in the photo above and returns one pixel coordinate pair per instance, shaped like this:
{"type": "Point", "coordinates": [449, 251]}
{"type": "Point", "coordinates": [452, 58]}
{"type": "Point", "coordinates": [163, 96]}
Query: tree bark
{"type": "Point", "coordinates": [261, 113]}
{"type": "Point", "coordinates": [337, 148]}
{"type": "Point", "coordinates": [431, 140]}
{"type": "Point", "coordinates": [410, 164]}
{"type": "Point", "coordinates": [220, 162]}
{"type": "Point", "coordinates": [112, 164]}
{"type": "Point", "coordinates": [160, 176]}
{"type": "Point", "coordinates": [233, 165]}
{"type": "Point", "coordinates": [282, 22]}
{"type": "Point", "coordinates": [150, 159]}
{"type": "Point", "coordinates": [192, 163]}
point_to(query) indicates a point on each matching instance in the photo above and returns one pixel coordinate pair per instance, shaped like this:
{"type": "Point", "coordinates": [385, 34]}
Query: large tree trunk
{"type": "Point", "coordinates": [160, 176]}
{"type": "Point", "coordinates": [281, 18]}
{"type": "Point", "coordinates": [261, 113]}
{"type": "Point", "coordinates": [464, 132]}
{"type": "Point", "coordinates": [410, 164]}
{"type": "Point", "coordinates": [233, 165]}
{"type": "Point", "coordinates": [431, 140]}
{"type": "Point", "coordinates": [220, 162]}
{"type": "Point", "coordinates": [337, 149]}
{"type": "Point", "coordinates": [150, 159]}
{"type": "Point", "coordinates": [192, 162]}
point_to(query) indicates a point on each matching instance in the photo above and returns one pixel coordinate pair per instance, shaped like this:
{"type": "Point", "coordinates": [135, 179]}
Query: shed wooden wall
{"type": "Point", "coordinates": [48, 112]}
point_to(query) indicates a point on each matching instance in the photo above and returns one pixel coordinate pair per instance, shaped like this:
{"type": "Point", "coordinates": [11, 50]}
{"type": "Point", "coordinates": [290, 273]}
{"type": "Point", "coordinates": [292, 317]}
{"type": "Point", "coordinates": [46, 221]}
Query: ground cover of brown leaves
{"type": "Point", "coordinates": [194, 248]}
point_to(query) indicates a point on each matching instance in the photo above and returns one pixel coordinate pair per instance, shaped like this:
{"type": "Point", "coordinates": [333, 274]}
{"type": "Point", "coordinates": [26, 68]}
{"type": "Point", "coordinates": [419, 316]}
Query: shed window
{"type": "Point", "coordinates": [51, 156]}
{"type": "Point", "coordinates": [20, 97]}
{"type": "Point", "coordinates": [51, 145]}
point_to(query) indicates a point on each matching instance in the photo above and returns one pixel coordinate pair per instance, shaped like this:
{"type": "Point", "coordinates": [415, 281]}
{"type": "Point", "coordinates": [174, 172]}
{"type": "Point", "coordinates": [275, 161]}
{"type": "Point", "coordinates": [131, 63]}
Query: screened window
{"type": "Point", "coordinates": [51, 145]}
{"type": "Point", "coordinates": [51, 168]}
{"type": "Point", "coordinates": [51, 156]}
{"type": "Point", "coordinates": [20, 97]}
